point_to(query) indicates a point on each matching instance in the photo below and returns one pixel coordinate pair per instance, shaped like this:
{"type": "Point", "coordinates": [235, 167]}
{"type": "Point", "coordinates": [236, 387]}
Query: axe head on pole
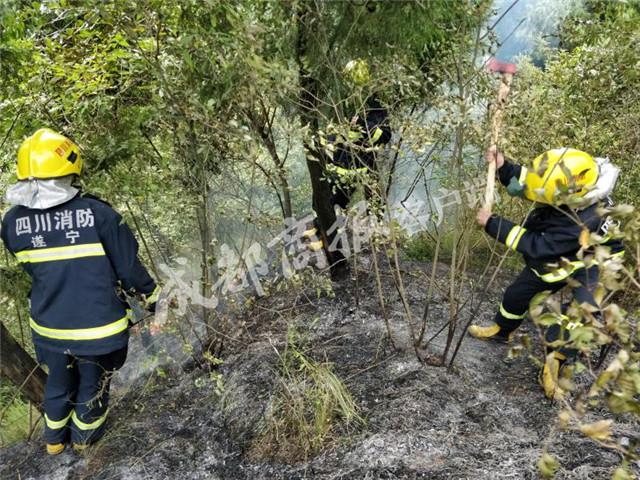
{"type": "Point", "coordinates": [496, 66]}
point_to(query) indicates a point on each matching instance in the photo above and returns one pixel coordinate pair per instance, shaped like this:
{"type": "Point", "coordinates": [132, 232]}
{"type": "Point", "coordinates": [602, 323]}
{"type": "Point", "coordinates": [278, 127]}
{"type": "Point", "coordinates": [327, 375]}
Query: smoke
{"type": "Point", "coordinates": [521, 27]}
{"type": "Point", "coordinates": [416, 180]}
{"type": "Point", "coordinates": [528, 23]}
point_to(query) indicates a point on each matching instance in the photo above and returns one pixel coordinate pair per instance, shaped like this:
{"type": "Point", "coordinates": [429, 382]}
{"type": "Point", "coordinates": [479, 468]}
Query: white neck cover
{"type": "Point", "coordinates": [42, 194]}
{"type": "Point", "coordinates": [607, 180]}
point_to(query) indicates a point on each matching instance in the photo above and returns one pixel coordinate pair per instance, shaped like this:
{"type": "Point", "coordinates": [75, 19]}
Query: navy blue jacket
{"type": "Point", "coordinates": [78, 255]}
{"type": "Point", "coordinates": [549, 233]}
{"type": "Point", "coordinates": [371, 131]}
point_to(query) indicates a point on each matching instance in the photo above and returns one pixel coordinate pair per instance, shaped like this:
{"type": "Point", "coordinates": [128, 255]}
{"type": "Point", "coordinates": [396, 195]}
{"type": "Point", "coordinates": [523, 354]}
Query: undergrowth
{"type": "Point", "coordinates": [15, 419]}
{"type": "Point", "coordinates": [310, 408]}
{"type": "Point", "coordinates": [422, 247]}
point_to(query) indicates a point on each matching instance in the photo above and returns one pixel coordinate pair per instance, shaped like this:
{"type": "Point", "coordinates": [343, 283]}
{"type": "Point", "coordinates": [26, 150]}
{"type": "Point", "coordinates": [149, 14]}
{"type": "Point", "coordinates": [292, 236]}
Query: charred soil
{"type": "Point", "coordinates": [486, 418]}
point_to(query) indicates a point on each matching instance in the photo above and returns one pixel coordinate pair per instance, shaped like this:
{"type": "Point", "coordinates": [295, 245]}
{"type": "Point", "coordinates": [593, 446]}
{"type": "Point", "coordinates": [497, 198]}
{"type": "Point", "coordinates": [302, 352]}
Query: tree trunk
{"type": "Point", "coordinates": [286, 193]}
{"type": "Point", "coordinates": [20, 369]}
{"type": "Point", "coordinates": [205, 244]}
{"type": "Point", "coordinates": [316, 158]}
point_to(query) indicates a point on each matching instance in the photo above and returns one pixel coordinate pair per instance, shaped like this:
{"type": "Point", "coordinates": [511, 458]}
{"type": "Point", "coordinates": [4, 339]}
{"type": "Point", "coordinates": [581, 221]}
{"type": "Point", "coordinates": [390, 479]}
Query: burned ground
{"type": "Point", "coordinates": [485, 419]}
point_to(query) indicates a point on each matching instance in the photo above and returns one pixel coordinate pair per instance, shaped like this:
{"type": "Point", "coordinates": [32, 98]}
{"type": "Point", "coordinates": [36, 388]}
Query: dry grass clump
{"type": "Point", "coordinates": [310, 403]}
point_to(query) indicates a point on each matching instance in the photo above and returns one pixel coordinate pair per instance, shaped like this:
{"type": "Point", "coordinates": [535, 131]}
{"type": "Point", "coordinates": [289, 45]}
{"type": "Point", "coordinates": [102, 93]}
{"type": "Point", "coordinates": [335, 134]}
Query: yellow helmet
{"type": "Point", "coordinates": [560, 170]}
{"type": "Point", "coordinates": [357, 71]}
{"type": "Point", "coordinates": [47, 154]}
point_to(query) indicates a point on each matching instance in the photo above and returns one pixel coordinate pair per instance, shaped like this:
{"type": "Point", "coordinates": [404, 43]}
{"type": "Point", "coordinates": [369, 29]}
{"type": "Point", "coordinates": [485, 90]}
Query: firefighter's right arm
{"type": "Point", "coordinates": [378, 133]}
{"type": "Point", "coordinates": [535, 245]}
{"type": "Point", "coordinates": [510, 173]}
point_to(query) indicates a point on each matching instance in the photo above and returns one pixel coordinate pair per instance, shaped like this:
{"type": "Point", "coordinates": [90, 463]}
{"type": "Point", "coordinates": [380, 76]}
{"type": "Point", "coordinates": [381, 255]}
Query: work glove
{"type": "Point", "coordinates": [515, 189]}
{"type": "Point", "coordinates": [151, 300]}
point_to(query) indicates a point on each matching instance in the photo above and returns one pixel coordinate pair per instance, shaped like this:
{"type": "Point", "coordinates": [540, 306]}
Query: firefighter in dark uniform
{"type": "Point", "coordinates": [353, 156]}
{"type": "Point", "coordinates": [78, 253]}
{"type": "Point", "coordinates": [549, 241]}
{"type": "Point", "coordinates": [356, 156]}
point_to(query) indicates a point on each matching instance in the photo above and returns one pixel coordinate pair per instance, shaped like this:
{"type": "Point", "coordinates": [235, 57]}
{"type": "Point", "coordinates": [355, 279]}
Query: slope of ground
{"type": "Point", "coordinates": [486, 419]}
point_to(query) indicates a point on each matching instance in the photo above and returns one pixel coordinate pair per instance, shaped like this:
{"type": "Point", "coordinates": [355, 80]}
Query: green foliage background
{"type": "Point", "coordinates": [182, 108]}
{"type": "Point", "coordinates": [189, 115]}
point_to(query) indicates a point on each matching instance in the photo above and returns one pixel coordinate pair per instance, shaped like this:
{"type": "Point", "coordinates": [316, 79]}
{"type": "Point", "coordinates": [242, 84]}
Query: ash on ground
{"type": "Point", "coordinates": [486, 418]}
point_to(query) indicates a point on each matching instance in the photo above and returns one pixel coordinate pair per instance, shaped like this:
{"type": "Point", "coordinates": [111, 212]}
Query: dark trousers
{"type": "Point", "coordinates": [516, 299]}
{"type": "Point", "coordinates": [340, 193]}
{"type": "Point", "coordinates": [77, 394]}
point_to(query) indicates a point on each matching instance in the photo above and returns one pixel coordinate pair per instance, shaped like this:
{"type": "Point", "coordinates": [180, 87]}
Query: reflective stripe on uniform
{"type": "Point", "coordinates": [60, 253]}
{"type": "Point", "coordinates": [561, 273]}
{"type": "Point", "coordinates": [514, 236]}
{"type": "Point", "coordinates": [57, 424]}
{"type": "Point", "coordinates": [346, 171]}
{"type": "Point", "coordinates": [88, 426]}
{"type": "Point", "coordinates": [511, 316]}
{"type": "Point", "coordinates": [354, 135]}
{"type": "Point", "coordinates": [153, 296]}
{"type": "Point", "coordinates": [83, 333]}
{"type": "Point", "coordinates": [565, 272]}
{"type": "Point", "coordinates": [376, 135]}
{"type": "Point", "coordinates": [523, 175]}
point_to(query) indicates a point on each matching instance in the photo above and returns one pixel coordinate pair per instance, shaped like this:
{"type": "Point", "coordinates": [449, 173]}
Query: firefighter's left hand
{"type": "Point", "coordinates": [170, 302]}
{"type": "Point", "coordinates": [493, 155]}
{"type": "Point", "coordinates": [483, 216]}
{"type": "Point", "coordinates": [160, 312]}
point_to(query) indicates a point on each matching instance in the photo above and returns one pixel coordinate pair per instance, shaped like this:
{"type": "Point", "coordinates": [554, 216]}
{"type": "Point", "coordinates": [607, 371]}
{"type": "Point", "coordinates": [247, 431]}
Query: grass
{"type": "Point", "coordinates": [310, 406]}
{"type": "Point", "coordinates": [14, 416]}
{"type": "Point", "coordinates": [421, 247]}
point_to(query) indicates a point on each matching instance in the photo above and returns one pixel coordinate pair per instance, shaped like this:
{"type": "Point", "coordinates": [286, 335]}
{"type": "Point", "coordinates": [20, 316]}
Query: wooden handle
{"type": "Point", "coordinates": [496, 125]}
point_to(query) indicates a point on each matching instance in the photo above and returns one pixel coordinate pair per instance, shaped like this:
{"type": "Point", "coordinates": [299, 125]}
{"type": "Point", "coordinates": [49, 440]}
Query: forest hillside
{"type": "Point", "coordinates": [375, 239]}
